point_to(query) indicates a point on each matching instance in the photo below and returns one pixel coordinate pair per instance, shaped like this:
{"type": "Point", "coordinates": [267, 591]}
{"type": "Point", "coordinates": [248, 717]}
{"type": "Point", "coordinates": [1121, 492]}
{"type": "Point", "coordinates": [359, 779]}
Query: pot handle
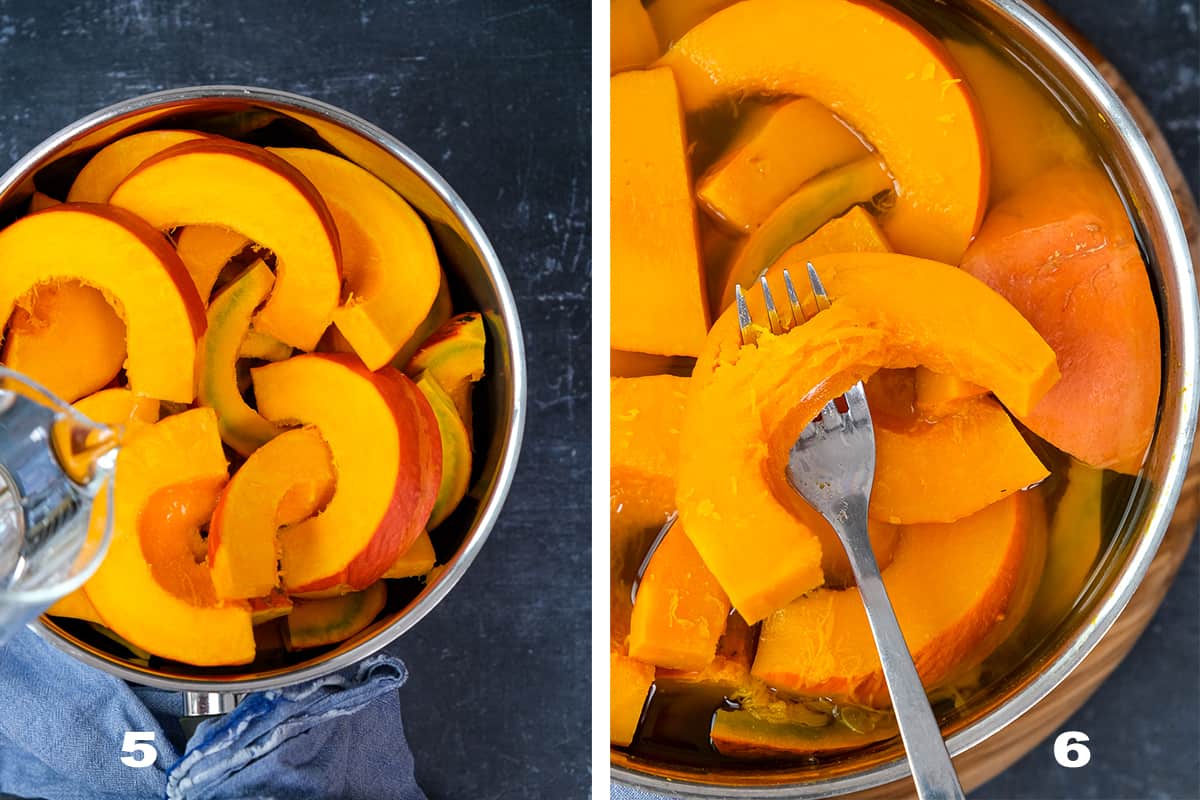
{"type": "Point", "coordinates": [199, 706]}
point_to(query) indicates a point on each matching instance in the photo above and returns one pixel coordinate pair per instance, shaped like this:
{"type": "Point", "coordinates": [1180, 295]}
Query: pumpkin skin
{"type": "Point", "coordinates": [760, 553]}
{"type": "Point", "coordinates": [130, 262]}
{"type": "Point", "coordinates": [890, 80]}
{"type": "Point", "coordinates": [312, 623]}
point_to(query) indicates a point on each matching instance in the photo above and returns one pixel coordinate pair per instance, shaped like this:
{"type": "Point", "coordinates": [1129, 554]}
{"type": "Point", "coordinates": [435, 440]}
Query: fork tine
{"type": "Point", "coordinates": [793, 300]}
{"type": "Point", "coordinates": [856, 403]}
{"type": "Point", "coordinates": [818, 288]}
{"type": "Point", "coordinates": [743, 312]}
{"type": "Point", "coordinates": [769, 302]}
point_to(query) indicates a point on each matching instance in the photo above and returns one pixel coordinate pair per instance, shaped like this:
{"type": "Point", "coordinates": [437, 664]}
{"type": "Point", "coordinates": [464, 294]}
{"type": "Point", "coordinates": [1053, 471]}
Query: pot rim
{"type": "Point", "coordinates": [515, 390]}
{"type": "Point", "coordinates": [1176, 262]}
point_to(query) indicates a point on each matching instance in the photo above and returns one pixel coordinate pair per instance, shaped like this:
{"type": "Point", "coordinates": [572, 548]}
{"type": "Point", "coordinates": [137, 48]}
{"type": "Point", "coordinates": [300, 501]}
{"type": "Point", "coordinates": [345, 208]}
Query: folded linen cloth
{"type": "Point", "coordinates": [63, 725]}
{"type": "Point", "coordinates": [629, 793]}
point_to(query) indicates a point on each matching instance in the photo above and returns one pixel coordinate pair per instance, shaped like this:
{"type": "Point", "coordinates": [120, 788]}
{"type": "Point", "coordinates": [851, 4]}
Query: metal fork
{"type": "Point", "coordinates": [832, 466]}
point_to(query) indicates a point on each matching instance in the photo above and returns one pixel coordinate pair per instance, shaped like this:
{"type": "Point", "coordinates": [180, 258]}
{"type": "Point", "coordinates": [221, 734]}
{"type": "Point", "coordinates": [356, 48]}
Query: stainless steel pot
{"type": "Point", "coordinates": [1055, 61]}
{"type": "Point", "coordinates": [477, 282]}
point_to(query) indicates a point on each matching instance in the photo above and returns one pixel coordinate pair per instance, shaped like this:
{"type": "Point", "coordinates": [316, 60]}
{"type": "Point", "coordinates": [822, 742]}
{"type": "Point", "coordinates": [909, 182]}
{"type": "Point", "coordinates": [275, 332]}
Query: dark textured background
{"type": "Point", "coordinates": [494, 94]}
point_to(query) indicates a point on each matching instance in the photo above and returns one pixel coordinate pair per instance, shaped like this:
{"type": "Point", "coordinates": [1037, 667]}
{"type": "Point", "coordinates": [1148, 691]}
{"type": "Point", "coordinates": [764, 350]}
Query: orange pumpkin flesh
{"type": "Point", "coordinates": [802, 214]}
{"type": "Point", "coordinates": [285, 481]}
{"type": "Point", "coordinates": [657, 273]}
{"type": "Point", "coordinates": [416, 561]}
{"type": "Point", "coordinates": [105, 170]}
{"type": "Point", "coordinates": [135, 268]}
{"type": "Point", "coordinates": [645, 418]}
{"type": "Point", "coordinates": [633, 43]}
{"type": "Point", "coordinates": [66, 337]}
{"type": "Point", "coordinates": [205, 250]}
{"type": "Point", "coordinates": [387, 254]}
{"type": "Point", "coordinates": [630, 682]}
{"type": "Point", "coordinates": [680, 611]}
{"type": "Point", "coordinates": [456, 451]}
{"type": "Point", "coordinates": [856, 231]}
{"type": "Point", "coordinates": [261, 346]}
{"type": "Point", "coordinates": [762, 167]}
{"type": "Point", "coordinates": [948, 584]}
{"type": "Point", "coordinates": [760, 553]}
{"type": "Point", "coordinates": [313, 623]}
{"type": "Point", "coordinates": [880, 72]}
{"type": "Point", "coordinates": [229, 315]}
{"type": "Point", "coordinates": [119, 407]}
{"type": "Point", "coordinates": [949, 469]}
{"type": "Point", "coordinates": [181, 450]}
{"type": "Point", "coordinates": [386, 450]}
{"type": "Point", "coordinates": [453, 355]}
{"type": "Point", "coordinates": [169, 527]}
{"type": "Point", "coordinates": [244, 188]}
{"type": "Point", "coordinates": [1061, 250]}
{"type": "Point", "coordinates": [939, 394]}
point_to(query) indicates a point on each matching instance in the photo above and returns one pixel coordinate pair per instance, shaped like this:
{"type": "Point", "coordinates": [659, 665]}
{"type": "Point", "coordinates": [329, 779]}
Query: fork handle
{"type": "Point", "coordinates": [932, 771]}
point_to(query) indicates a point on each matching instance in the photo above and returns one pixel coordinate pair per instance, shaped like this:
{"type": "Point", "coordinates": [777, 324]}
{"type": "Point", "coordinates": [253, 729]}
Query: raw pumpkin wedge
{"type": "Point", "coordinates": [273, 606]}
{"type": "Point", "coordinates": [762, 167]}
{"type": "Point", "coordinates": [260, 195]}
{"type": "Point", "coordinates": [205, 250]}
{"type": "Point", "coordinates": [939, 394]}
{"type": "Point", "coordinates": [105, 170]}
{"type": "Point", "coordinates": [437, 317]}
{"type": "Point", "coordinates": [229, 315]}
{"type": "Point", "coordinates": [181, 450]}
{"type": "Point", "coordinates": [67, 337]}
{"type": "Point", "coordinates": [387, 454]}
{"type": "Point", "coordinates": [76, 605]}
{"type": "Point", "coordinates": [680, 611]}
{"type": "Point", "coordinates": [388, 258]}
{"type": "Point", "coordinates": [659, 302]}
{"type": "Point", "coordinates": [1062, 251]}
{"type": "Point", "coordinates": [456, 451]}
{"type": "Point", "coordinates": [949, 584]}
{"type": "Point", "coordinates": [285, 481]}
{"type": "Point", "coordinates": [633, 43]}
{"type": "Point", "coordinates": [263, 347]}
{"type": "Point", "coordinates": [416, 561]}
{"type": "Point", "coordinates": [762, 555]}
{"type": "Point", "coordinates": [119, 407]}
{"type": "Point", "coordinates": [949, 469]}
{"type": "Point", "coordinates": [133, 266]}
{"type": "Point", "coordinates": [330, 620]}
{"type": "Point", "coordinates": [801, 216]}
{"type": "Point", "coordinates": [630, 681]}
{"type": "Point", "coordinates": [889, 79]}
{"type": "Point", "coordinates": [453, 355]}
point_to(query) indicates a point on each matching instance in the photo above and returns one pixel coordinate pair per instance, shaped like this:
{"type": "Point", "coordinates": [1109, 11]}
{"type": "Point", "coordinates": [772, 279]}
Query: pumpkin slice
{"type": "Point", "coordinates": [416, 561]}
{"type": "Point", "coordinates": [75, 605]}
{"type": "Point", "coordinates": [762, 167]}
{"type": "Point", "coordinates": [856, 231]}
{"type": "Point", "coordinates": [133, 266]}
{"type": "Point", "coordinates": [680, 611]}
{"type": "Point", "coordinates": [760, 397]}
{"type": "Point", "coordinates": [1062, 251]}
{"type": "Point", "coordinates": [949, 584]}
{"type": "Point", "coordinates": [96, 181]}
{"type": "Point", "coordinates": [644, 423]}
{"type": "Point", "coordinates": [66, 337]}
{"type": "Point", "coordinates": [673, 18]}
{"type": "Point", "coordinates": [892, 81]}
{"type": "Point", "coordinates": [180, 451]}
{"type": "Point", "coordinates": [205, 250]}
{"type": "Point", "coordinates": [330, 620]}
{"type": "Point", "coordinates": [244, 188]}
{"type": "Point", "coordinates": [387, 454]}
{"type": "Point", "coordinates": [802, 215]}
{"type": "Point", "coordinates": [728, 672]}
{"type": "Point", "coordinates": [285, 481]}
{"type": "Point", "coordinates": [40, 202]}
{"type": "Point", "coordinates": [263, 347]}
{"type": "Point", "coordinates": [273, 606]}
{"type": "Point", "coordinates": [659, 302]}
{"type": "Point", "coordinates": [229, 315]}
{"type": "Point", "coordinates": [119, 407]}
{"type": "Point", "coordinates": [456, 451]}
{"type": "Point", "coordinates": [633, 43]}
{"type": "Point", "coordinates": [387, 254]}
{"type": "Point", "coordinates": [630, 682]}
{"type": "Point", "coordinates": [950, 469]}
{"type": "Point", "coordinates": [939, 394]}
{"type": "Point", "coordinates": [453, 355]}
{"type": "Point", "coordinates": [742, 734]}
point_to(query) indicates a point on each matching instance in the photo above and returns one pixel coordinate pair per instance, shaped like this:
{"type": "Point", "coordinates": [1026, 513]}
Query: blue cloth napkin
{"type": "Point", "coordinates": [619, 792]}
{"type": "Point", "coordinates": [62, 726]}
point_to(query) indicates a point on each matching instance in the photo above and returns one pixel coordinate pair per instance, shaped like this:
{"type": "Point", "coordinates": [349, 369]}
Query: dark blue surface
{"type": "Point", "coordinates": [494, 94]}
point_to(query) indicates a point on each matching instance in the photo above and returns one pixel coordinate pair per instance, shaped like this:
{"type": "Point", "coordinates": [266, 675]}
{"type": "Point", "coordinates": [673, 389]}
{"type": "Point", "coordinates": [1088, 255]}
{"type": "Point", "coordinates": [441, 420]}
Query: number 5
{"type": "Point", "coordinates": [138, 743]}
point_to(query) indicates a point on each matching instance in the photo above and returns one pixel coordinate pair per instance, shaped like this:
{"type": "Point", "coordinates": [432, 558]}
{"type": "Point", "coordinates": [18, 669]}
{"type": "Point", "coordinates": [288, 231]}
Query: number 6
{"type": "Point", "coordinates": [1069, 750]}
{"type": "Point", "coordinates": [138, 743]}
